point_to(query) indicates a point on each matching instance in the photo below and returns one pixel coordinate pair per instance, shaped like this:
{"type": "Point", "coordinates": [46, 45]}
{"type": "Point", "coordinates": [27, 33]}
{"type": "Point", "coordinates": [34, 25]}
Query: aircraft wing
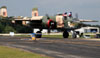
{"type": "Point", "coordinates": [85, 20]}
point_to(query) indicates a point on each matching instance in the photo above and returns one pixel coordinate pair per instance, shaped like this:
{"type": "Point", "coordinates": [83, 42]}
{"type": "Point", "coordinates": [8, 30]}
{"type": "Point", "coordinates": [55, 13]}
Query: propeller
{"type": "Point", "coordinates": [76, 19]}
{"type": "Point", "coordinates": [76, 15]}
{"type": "Point", "coordinates": [47, 16]}
{"type": "Point", "coordinates": [50, 23]}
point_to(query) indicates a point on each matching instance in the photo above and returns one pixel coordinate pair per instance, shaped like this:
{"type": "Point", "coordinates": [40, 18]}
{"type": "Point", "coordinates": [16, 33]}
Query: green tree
{"type": "Point", "coordinates": [23, 29]}
{"type": "Point", "coordinates": [8, 29]}
{"type": "Point", "coordinates": [1, 28]}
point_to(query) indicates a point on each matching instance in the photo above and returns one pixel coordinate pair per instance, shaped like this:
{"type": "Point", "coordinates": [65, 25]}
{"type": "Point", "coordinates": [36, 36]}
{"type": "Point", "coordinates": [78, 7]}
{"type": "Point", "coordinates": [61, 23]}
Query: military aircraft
{"type": "Point", "coordinates": [64, 22]}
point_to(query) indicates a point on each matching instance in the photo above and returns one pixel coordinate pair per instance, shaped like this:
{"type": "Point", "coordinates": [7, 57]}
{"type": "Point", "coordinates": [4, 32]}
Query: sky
{"type": "Point", "coordinates": [86, 9]}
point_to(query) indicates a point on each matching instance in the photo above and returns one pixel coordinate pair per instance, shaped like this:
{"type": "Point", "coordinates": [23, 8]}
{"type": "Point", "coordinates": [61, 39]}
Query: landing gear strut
{"type": "Point", "coordinates": [65, 34]}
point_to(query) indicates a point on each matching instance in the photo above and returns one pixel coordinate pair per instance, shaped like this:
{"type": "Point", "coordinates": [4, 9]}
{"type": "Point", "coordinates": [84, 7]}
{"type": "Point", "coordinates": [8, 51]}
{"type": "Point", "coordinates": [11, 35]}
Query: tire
{"type": "Point", "coordinates": [38, 34]}
{"type": "Point", "coordinates": [74, 35]}
{"type": "Point", "coordinates": [65, 34]}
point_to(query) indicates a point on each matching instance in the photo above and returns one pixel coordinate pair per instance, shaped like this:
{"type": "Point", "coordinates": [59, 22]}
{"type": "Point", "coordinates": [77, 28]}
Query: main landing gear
{"type": "Point", "coordinates": [65, 34]}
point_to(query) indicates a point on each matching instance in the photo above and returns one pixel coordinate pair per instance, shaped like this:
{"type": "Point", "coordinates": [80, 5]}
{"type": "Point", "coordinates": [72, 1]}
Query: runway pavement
{"type": "Point", "coordinates": [57, 48]}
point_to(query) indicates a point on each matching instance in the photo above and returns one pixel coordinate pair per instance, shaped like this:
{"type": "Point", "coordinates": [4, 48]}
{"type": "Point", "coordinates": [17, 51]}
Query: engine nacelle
{"type": "Point", "coordinates": [51, 23]}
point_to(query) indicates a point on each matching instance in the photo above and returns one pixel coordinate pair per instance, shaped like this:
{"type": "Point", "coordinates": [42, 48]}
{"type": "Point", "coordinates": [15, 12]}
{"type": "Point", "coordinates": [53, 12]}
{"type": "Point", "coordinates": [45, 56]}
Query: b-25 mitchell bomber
{"type": "Point", "coordinates": [63, 22]}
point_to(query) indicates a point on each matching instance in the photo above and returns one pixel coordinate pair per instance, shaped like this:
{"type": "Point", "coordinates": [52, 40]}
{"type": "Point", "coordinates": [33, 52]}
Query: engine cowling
{"type": "Point", "coordinates": [51, 23]}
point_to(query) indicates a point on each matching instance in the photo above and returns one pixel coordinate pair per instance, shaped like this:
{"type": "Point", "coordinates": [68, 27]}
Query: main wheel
{"type": "Point", "coordinates": [74, 35]}
{"type": "Point", "coordinates": [65, 34]}
{"type": "Point", "coordinates": [38, 34]}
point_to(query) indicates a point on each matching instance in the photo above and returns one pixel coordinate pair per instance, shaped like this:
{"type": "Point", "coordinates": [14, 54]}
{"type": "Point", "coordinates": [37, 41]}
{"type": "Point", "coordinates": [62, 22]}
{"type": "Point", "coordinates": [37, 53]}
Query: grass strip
{"type": "Point", "coordinates": [6, 52]}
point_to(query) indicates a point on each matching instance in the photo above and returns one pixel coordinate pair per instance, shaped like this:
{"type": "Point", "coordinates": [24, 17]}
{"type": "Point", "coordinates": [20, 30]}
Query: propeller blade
{"type": "Point", "coordinates": [76, 15]}
{"type": "Point", "coordinates": [47, 16]}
